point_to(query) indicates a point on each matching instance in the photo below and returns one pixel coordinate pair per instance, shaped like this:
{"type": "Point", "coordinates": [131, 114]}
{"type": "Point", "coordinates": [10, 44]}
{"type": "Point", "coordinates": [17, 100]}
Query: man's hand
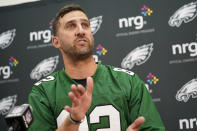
{"type": "Point", "coordinates": [81, 100]}
{"type": "Point", "coordinates": [136, 124]}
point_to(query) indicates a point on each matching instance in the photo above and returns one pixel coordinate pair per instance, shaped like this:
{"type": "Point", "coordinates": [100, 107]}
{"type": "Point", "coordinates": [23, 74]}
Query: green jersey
{"type": "Point", "coordinates": [119, 97]}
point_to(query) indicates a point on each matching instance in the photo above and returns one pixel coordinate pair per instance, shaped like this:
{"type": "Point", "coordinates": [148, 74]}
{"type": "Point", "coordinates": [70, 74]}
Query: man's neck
{"type": "Point", "coordinates": [80, 69]}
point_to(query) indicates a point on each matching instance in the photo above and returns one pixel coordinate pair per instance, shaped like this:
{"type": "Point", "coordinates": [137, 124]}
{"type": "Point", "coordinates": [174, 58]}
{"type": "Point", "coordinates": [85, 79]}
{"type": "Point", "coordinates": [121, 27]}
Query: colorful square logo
{"type": "Point", "coordinates": [13, 62]}
{"type": "Point", "coordinates": [146, 11]}
{"type": "Point", "coordinates": [100, 50]}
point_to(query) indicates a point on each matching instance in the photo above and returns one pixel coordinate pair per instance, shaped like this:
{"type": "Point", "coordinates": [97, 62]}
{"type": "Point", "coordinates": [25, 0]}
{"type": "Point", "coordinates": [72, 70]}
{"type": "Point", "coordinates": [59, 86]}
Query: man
{"type": "Point", "coordinates": [112, 99]}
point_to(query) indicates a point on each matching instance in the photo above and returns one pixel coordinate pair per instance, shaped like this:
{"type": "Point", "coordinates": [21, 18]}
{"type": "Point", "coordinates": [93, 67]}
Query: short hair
{"type": "Point", "coordinates": [66, 9]}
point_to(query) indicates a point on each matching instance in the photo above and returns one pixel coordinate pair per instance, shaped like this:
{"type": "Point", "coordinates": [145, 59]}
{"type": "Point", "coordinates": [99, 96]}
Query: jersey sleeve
{"type": "Point", "coordinates": [42, 114]}
{"type": "Point", "coordinates": [141, 104]}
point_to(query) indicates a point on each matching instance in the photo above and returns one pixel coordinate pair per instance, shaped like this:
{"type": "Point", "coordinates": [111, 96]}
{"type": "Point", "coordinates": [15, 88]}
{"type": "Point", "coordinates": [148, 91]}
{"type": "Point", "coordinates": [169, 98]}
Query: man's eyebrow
{"type": "Point", "coordinates": [85, 20]}
{"type": "Point", "coordinates": [71, 21]}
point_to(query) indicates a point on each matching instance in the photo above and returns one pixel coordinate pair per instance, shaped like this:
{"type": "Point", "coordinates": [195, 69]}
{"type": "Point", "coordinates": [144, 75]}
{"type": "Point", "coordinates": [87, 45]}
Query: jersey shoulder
{"type": "Point", "coordinates": [128, 81]}
{"type": "Point", "coordinates": [119, 71]}
{"type": "Point", "coordinates": [48, 82]}
{"type": "Point", "coordinates": [124, 76]}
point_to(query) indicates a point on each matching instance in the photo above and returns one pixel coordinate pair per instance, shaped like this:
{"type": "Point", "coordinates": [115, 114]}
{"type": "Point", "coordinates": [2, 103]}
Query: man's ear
{"type": "Point", "coordinates": [55, 41]}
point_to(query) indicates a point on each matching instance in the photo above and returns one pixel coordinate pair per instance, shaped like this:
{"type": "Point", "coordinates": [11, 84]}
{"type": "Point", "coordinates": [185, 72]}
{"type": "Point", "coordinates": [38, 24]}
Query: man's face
{"type": "Point", "coordinates": [75, 36]}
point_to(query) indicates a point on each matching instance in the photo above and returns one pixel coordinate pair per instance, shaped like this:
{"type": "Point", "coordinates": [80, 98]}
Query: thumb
{"type": "Point", "coordinates": [136, 124]}
{"type": "Point", "coordinates": [90, 85]}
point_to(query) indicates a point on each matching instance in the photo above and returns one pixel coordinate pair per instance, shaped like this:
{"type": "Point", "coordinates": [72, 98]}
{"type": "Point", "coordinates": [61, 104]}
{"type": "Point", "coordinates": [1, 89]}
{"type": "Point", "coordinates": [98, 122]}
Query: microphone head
{"type": "Point", "coordinates": [22, 115]}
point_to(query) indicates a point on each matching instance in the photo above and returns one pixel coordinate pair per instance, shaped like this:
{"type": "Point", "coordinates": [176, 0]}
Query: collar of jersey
{"type": "Point", "coordinates": [95, 76]}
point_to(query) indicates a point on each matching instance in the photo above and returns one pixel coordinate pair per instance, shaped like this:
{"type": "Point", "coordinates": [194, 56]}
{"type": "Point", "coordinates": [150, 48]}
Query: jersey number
{"type": "Point", "coordinates": [48, 78]}
{"type": "Point", "coordinates": [100, 111]}
{"type": "Point", "coordinates": [123, 70]}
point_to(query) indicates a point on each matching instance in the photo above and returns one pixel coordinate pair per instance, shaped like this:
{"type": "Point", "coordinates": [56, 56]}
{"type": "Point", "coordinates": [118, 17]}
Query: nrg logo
{"type": "Point", "coordinates": [5, 71]}
{"type": "Point", "coordinates": [190, 48]}
{"type": "Point", "coordinates": [138, 21]}
{"type": "Point", "coordinates": [44, 35]}
{"type": "Point", "coordinates": [188, 123]}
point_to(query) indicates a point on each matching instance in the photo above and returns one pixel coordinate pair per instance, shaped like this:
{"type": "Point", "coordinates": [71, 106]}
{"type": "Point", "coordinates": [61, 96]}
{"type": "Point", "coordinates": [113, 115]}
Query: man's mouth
{"type": "Point", "coordinates": [81, 41]}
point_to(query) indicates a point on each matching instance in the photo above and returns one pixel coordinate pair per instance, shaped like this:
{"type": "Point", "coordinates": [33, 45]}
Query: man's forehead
{"type": "Point", "coordinates": [73, 16]}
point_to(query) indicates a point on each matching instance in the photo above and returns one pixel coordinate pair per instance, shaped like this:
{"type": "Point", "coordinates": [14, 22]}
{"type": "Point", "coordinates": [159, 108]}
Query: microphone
{"type": "Point", "coordinates": [19, 118]}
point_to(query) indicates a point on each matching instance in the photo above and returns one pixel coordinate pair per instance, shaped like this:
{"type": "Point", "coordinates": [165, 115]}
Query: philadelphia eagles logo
{"type": "Point", "coordinates": [6, 104]}
{"type": "Point", "coordinates": [95, 24]}
{"type": "Point", "coordinates": [6, 38]}
{"type": "Point", "coordinates": [186, 13]}
{"type": "Point", "coordinates": [45, 67]}
{"type": "Point", "coordinates": [137, 56]}
{"type": "Point", "coordinates": [189, 89]}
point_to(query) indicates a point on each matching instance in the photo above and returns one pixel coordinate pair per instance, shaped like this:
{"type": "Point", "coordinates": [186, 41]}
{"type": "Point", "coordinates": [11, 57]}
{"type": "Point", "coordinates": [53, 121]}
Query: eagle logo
{"type": "Point", "coordinates": [6, 104]}
{"type": "Point", "coordinates": [186, 13]}
{"type": "Point", "coordinates": [188, 90]}
{"type": "Point", "coordinates": [44, 68]}
{"type": "Point", "coordinates": [95, 24]}
{"type": "Point", "coordinates": [6, 38]}
{"type": "Point", "coordinates": [137, 56]}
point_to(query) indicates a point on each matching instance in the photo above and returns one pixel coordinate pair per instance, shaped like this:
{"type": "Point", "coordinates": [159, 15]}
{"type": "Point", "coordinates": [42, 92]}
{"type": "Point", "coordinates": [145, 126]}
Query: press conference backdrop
{"type": "Point", "coordinates": [155, 39]}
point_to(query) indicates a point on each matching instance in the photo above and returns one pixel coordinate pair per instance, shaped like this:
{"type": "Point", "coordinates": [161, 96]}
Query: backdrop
{"type": "Point", "coordinates": [155, 39]}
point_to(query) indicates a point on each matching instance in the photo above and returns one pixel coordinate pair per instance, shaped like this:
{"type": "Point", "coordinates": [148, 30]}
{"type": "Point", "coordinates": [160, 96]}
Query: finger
{"type": "Point", "coordinates": [136, 124]}
{"type": "Point", "coordinates": [67, 108]}
{"type": "Point", "coordinates": [81, 89]}
{"type": "Point", "coordinates": [73, 98]}
{"type": "Point", "coordinates": [90, 85]}
{"type": "Point", "coordinates": [75, 90]}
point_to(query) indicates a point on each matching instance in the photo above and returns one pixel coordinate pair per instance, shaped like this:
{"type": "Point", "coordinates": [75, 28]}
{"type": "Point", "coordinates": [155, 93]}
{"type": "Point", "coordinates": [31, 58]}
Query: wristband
{"type": "Point", "coordinates": [74, 121]}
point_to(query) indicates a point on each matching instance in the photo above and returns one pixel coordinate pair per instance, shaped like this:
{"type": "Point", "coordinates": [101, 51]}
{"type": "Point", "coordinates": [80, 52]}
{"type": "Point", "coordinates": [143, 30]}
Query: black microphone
{"type": "Point", "coordinates": [19, 118]}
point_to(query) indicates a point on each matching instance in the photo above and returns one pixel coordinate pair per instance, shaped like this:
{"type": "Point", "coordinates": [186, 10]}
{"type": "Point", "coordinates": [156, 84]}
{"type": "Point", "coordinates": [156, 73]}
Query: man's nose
{"type": "Point", "coordinates": [80, 31]}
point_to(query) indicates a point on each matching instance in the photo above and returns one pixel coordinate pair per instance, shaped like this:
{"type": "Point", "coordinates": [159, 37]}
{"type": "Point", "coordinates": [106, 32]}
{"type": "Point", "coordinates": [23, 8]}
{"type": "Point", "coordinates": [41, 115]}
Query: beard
{"type": "Point", "coordinates": [77, 52]}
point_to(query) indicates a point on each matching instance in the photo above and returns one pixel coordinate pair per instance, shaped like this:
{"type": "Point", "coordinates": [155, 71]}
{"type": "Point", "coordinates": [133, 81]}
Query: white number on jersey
{"type": "Point", "coordinates": [111, 112]}
{"type": "Point", "coordinates": [48, 78]}
{"type": "Point", "coordinates": [99, 111]}
{"type": "Point", "coordinates": [123, 70]}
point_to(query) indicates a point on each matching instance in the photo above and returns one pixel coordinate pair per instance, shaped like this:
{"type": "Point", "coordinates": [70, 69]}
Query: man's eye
{"type": "Point", "coordinates": [70, 26]}
{"type": "Point", "coordinates": [85, 25]}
